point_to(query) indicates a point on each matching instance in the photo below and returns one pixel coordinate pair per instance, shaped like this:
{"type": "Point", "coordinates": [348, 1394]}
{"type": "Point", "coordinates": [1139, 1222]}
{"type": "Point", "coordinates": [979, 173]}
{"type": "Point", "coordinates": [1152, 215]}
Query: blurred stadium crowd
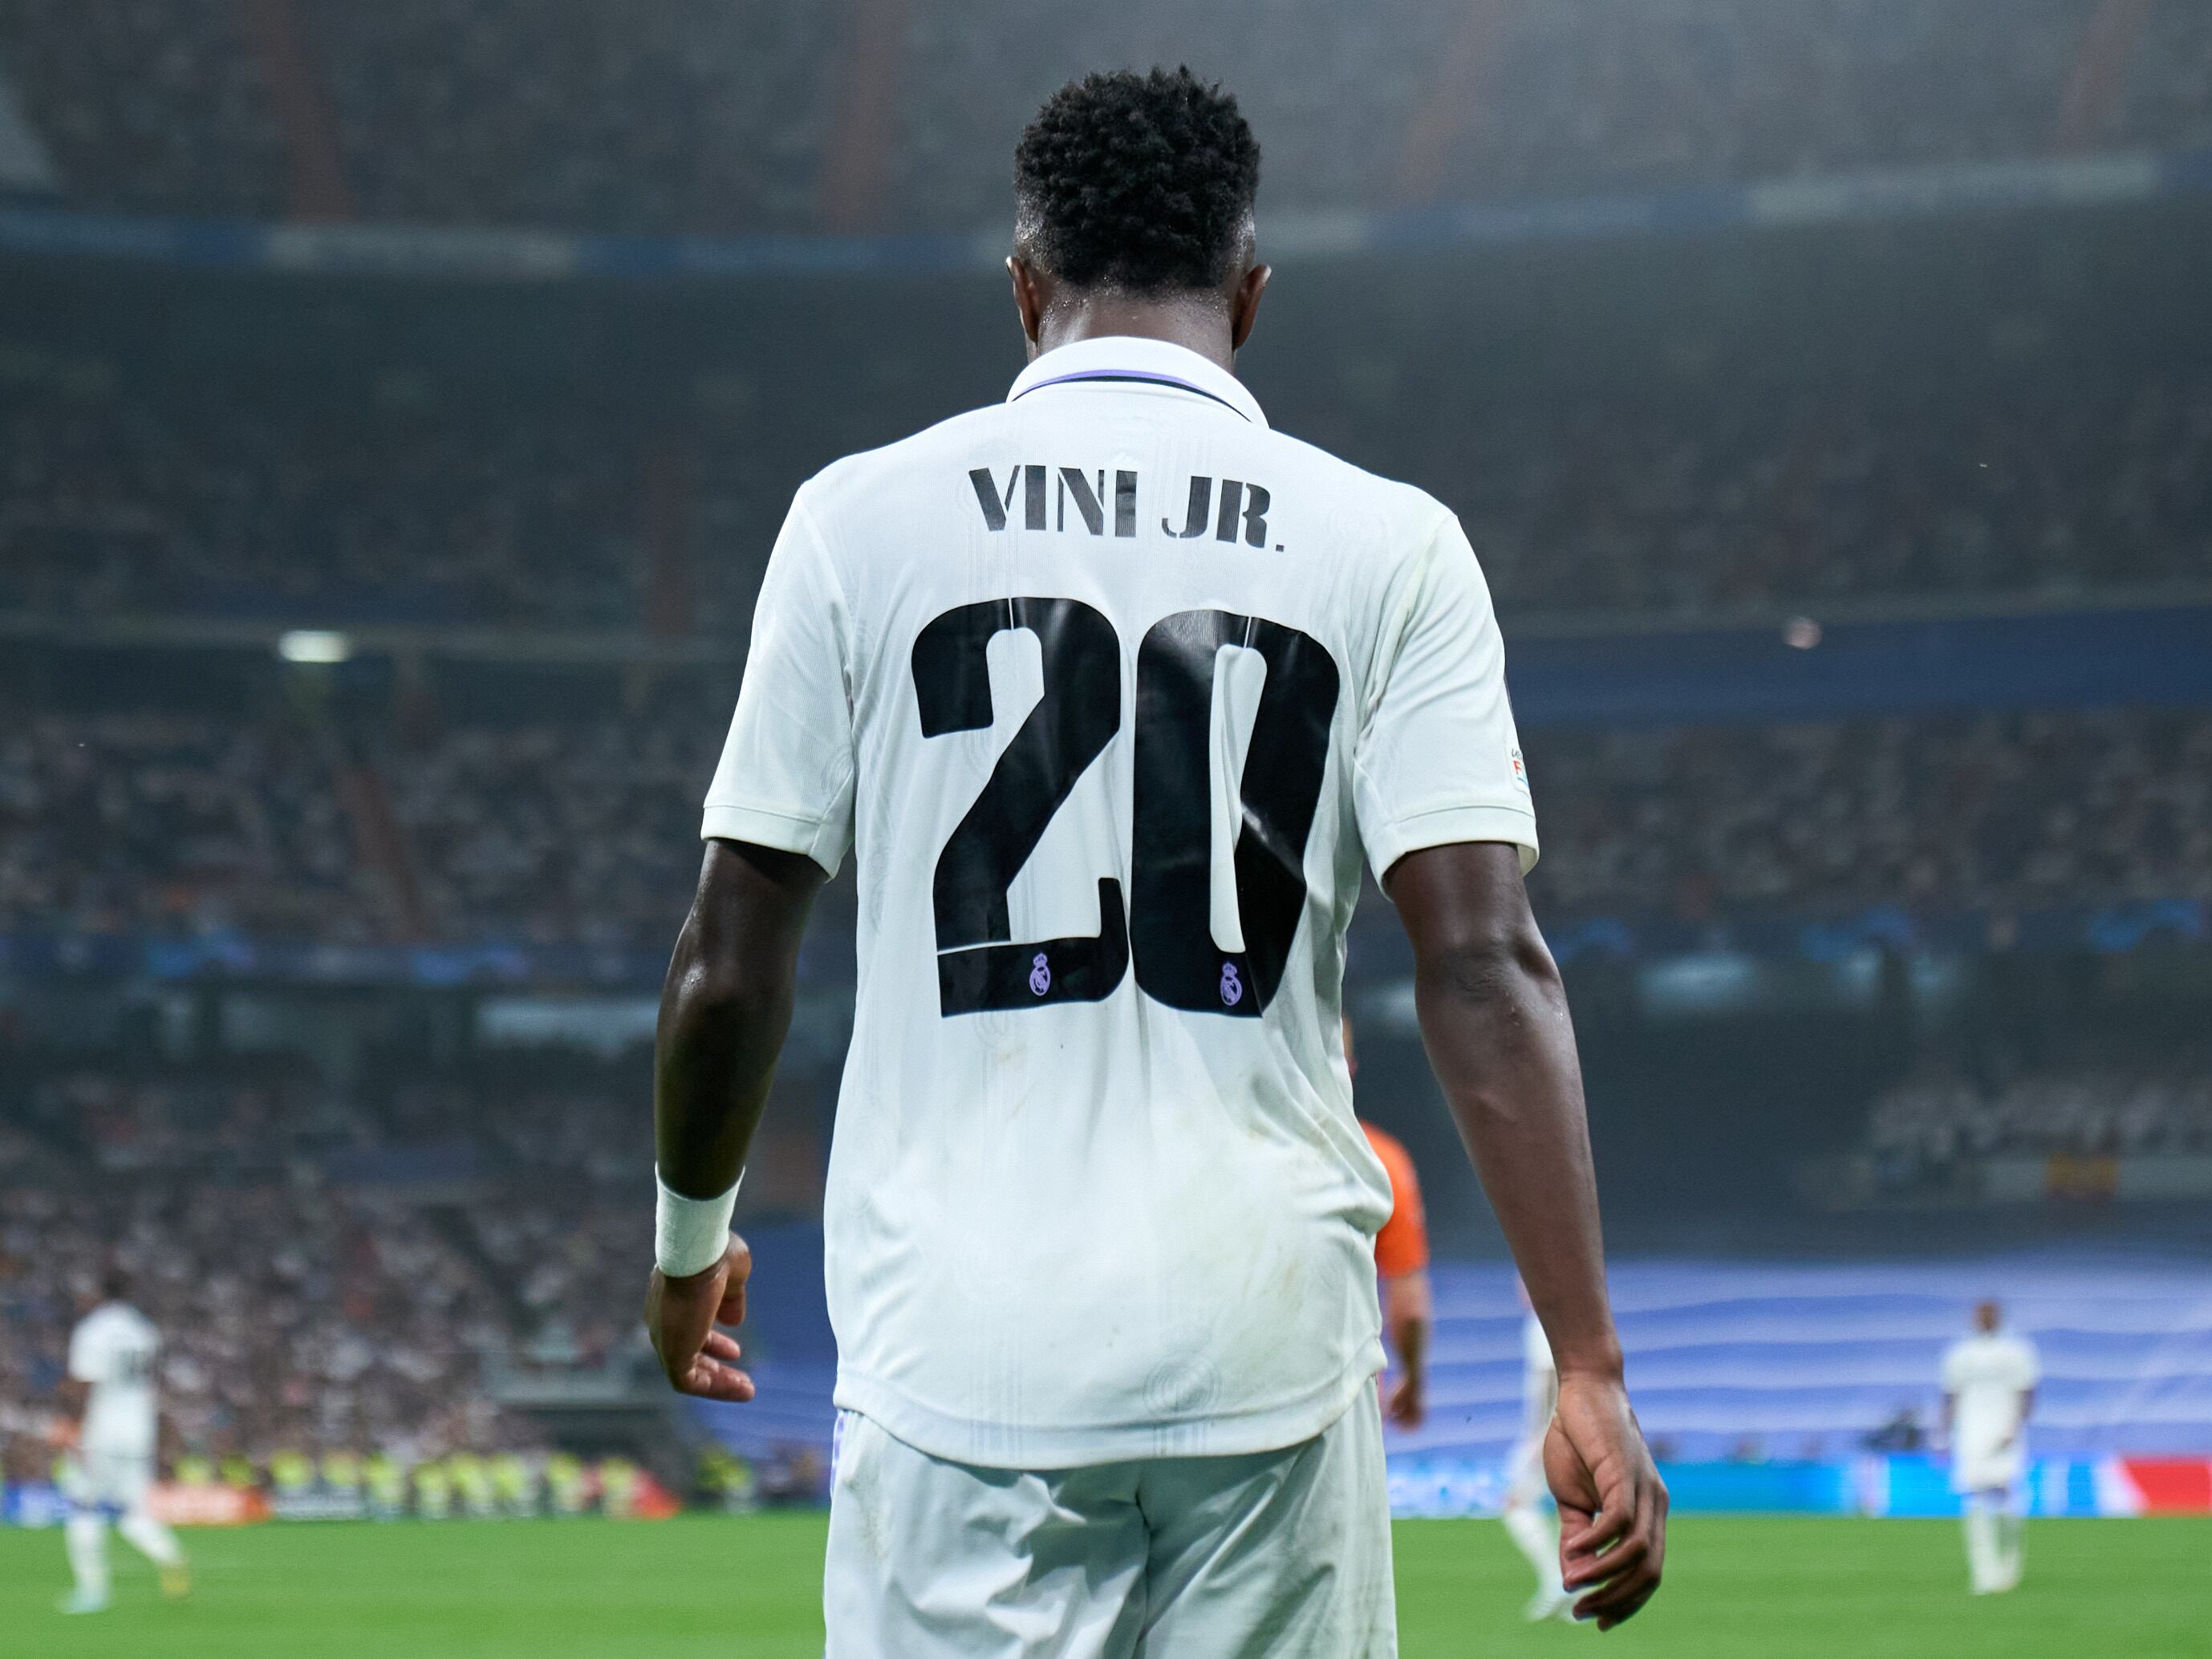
{"type": "Point", "coordinates": [316, 1294]}
{"type": "Point", "coordinates": [120, 500]}
{"type": "Point", "coordinates": [586, 832]}
{"type": "Point", "coordinates": [350, 1264]}
{"type": "Point", "coordinates": [1950, 1112]}
{"type": "Point", "coordinates": [313, 1314]}
{"type": "Point", "coordinates": [696, 116]}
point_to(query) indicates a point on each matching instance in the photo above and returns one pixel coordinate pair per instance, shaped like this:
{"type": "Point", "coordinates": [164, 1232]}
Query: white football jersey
{"type": "Point", "coordinates": [115, 1348]}
{"type": "Point", "coordinates": [1987, 1373]}
{"type": "Point", "coordinates": [1109, 687]}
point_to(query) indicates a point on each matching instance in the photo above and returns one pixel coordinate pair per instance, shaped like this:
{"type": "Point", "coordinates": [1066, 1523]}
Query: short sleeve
{"type": "Point", "coordinates": [1438, 760]}
{"type": "Point", "coordinates": [785, 775]}
{"type": "Point", "coordinates": [1954, 1369]}
{"type": "Point", "coordinates": [88, 1355]}
{"type": "Point", "coordinates": [2028, 1369]}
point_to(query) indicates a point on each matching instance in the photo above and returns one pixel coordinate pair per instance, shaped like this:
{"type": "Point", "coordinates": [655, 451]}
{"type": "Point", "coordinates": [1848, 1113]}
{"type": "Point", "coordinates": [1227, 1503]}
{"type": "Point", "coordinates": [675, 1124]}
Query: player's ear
{"type": "Point", "coordinates": [1030, 297]}
{"type": "Point", "coordinates": [1244, 304]}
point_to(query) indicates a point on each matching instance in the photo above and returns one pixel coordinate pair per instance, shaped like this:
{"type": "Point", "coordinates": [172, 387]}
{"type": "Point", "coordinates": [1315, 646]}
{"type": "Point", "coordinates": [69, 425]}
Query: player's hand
{"type": "Point", "coordinates": [64, 1432]}
{"type": "Point", "coordinates": [1404, 1405]}
{"type": "Point", "coordinates": [1613, 1504]}
{"type": "Point", "coordinates": [680, 1316]}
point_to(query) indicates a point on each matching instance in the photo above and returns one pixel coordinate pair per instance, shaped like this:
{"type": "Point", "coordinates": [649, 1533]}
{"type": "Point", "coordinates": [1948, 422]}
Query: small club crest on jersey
{"type": "Point", "coordinates": [1040, 975]}
{"type": "Point", "coordinates": [1232, 987]}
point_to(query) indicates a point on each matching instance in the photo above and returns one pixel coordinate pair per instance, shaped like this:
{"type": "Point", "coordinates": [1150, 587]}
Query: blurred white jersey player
{"type": "Point", "coordinates": [1989, 1389]}
{"type": "Point", "coordinates": [113, 1356]}
{"type": "Point", "coordinates": [1528, 1515]}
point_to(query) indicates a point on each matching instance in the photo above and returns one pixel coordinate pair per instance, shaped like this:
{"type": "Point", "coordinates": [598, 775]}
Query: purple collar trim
{"type": "Point", "coordinates": [1143, 376]}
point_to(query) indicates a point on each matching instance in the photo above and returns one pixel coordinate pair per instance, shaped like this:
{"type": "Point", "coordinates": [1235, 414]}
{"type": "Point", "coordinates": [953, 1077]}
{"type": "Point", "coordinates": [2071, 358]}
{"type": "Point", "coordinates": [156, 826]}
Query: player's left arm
{"type": "Point", "coordinates": [724, 1009]}
{"type": "Point", "coordinates": [1493, 1015]}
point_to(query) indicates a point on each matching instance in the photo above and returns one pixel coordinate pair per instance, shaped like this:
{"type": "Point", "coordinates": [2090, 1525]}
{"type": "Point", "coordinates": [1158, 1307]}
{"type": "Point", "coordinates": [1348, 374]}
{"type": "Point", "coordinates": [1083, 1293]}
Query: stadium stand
{"type": "Point", "coordinates": [200, 503]}
{"type": "Point", "coordinates": [1948, 1111]}
{"type": "Point", "coordinates": [584, 832]}
{"type": "Point", "coordinates": [1775, 1360]}
{"type": "Point", "coordinates": [1813, 494]}
{"type": "Point", "coordinates": [323, 1285]}
{"type": "Point", "coordinates": [159, 821]}
{"type": "Point", "coordinates": [2014, 811]}
{"type": "Point", "coordinates": [141, 499]}
{"type": "Point", "coordinates": [674, 116]}
{"type": "Point", "coordinates": [149, 107]}
{"type": "Point", "coordinates": [296, 1312]}
{"type": "Point", "coordinates": [295, 1232]}
{"type": "Point", "coordinates": [698, 117]}
{"type": "Point", "coordinates": [275, 1140]}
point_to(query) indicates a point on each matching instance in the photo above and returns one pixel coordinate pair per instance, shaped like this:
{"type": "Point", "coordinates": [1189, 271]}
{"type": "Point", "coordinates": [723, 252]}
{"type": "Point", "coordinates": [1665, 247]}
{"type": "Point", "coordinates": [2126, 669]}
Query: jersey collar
{"type": "Point", "coordinates": [1122, 360]}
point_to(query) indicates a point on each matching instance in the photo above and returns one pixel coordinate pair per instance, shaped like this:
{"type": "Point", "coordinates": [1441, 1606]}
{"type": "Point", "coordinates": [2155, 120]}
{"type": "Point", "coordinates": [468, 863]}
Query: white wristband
{"type": "Point", "coordinates": [690, 1234]}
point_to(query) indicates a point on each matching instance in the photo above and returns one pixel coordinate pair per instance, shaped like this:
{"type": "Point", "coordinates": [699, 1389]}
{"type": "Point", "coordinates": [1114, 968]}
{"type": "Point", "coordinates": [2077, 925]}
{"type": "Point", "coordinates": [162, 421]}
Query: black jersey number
{"type": "Point", "coordinates": [978, 965]}
{"type": "Point", "coordinates": [1178, 961]}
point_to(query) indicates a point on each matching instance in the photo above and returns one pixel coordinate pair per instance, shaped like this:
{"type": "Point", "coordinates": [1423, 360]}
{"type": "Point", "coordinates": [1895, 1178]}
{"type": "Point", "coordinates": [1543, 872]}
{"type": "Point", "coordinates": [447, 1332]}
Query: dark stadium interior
{"type": "Point", "coordinates": [1854, 562]}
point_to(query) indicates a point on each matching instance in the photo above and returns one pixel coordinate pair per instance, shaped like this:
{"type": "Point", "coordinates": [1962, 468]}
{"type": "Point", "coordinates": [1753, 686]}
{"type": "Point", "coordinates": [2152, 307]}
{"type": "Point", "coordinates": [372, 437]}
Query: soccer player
{"type": "Point", "coordinates": [1108, 688]}
{"type": "Point", "coordinates": [1989, 1389]}
{"type": "Point", "coordinates": [1529, 1519]}
{"type": "Point", "coordinates": [110, 1433]}
{"type": "Point", "coordinates": [1401, 1268]}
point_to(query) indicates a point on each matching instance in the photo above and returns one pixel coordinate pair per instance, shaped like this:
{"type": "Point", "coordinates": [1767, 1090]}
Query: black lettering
{"type": "Point", "coordinates": [1225, 529]}
{"type": "Point", "coordinates": [1201, 497]}
{"type": "Point", "coordinates": [978, 964]}
{"type": "Point", "coordinates": [1033, 497]}
{"type": "Point", "coordinates": [1255, 516]}
{"type": "Point", "coordinates": [1179, 962]}
{"type": "Point", "coordinates": [1090, 503]}
{"type": "Point", "coordinates": [986, 494]}
{"type": "Point", "coordinates": [1125, 503]}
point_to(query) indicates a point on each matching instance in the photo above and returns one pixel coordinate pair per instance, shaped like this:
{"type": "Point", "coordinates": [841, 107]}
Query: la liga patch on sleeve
{"type": "Point", "coordinates": [1520, 770]}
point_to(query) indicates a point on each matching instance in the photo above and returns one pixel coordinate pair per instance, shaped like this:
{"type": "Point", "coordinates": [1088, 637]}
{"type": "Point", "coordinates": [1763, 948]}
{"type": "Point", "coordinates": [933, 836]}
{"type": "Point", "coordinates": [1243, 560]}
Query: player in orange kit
{"type": "Point", "coordinates": [1401, 1266]}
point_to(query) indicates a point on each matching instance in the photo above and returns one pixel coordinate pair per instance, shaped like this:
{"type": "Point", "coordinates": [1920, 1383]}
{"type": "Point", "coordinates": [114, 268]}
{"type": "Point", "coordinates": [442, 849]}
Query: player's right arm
{"type": "Point", "coordinates": [1493, 1014]}
{"type": "Point", "coordinates": [778, 820]}
{"type": "Point", "coordinates": [66, 1427]}
{"type": "Point", "coordinates": [724, 1009]}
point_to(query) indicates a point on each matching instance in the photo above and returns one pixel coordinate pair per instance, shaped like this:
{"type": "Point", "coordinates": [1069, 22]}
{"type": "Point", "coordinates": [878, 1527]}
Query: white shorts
{"type": "Point", "coordinates": [1273, 1555]}
{"type": "Point", "coordinates": [1973, 1471]}
{"type": "Point", "coordinates": [114, 1481]}
{"type": "Point", "coordinates": [1525, 1487]}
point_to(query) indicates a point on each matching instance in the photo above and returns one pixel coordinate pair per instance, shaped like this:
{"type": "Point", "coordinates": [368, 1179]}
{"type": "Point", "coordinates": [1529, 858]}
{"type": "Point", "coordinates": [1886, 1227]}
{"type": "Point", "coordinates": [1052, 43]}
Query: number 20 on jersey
{"type": "Point", "coordinates": [1165, 925]}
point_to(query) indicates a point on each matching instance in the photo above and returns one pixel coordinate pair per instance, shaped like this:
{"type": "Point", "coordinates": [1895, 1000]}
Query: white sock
{"type": "Point", "coordinates": [1536, 1535]}
{"type": "Point", "coordinates": [151, 1539]}
{"type": "Point", "coordinates": [86, 1534]}
{"type": "Point", "coordinates": [2012, 1544]}
{"type": "Point", "coordinates": [1980, 1521]}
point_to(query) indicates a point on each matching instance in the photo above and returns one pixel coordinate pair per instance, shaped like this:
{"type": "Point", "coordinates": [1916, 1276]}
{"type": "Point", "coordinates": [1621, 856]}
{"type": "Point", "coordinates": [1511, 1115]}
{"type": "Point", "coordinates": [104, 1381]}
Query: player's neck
{"type": "Point", "coordinates": [1199, 323]}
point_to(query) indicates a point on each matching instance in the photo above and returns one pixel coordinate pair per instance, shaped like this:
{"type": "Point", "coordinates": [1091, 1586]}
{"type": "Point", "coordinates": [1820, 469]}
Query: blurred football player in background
{"type": "Point", "coordinates": [1989, 1389]}
{"type": "Point", "coordinates": [1401, 1270]}
{"type": "Point", "coordinates": [110, 1433]}
{"type": "Point", "coordinates": [1527, 1514]}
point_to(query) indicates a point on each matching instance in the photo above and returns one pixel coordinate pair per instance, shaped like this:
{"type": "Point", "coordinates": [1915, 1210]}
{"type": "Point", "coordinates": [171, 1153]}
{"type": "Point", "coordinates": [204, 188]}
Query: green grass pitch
{"type": "Point", "coordinates": [750, 1588]}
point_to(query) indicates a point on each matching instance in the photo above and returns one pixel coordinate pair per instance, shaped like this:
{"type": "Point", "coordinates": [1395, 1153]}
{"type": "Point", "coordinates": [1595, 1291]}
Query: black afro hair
{"type": "Point", "coordinates": [1138, 183]}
